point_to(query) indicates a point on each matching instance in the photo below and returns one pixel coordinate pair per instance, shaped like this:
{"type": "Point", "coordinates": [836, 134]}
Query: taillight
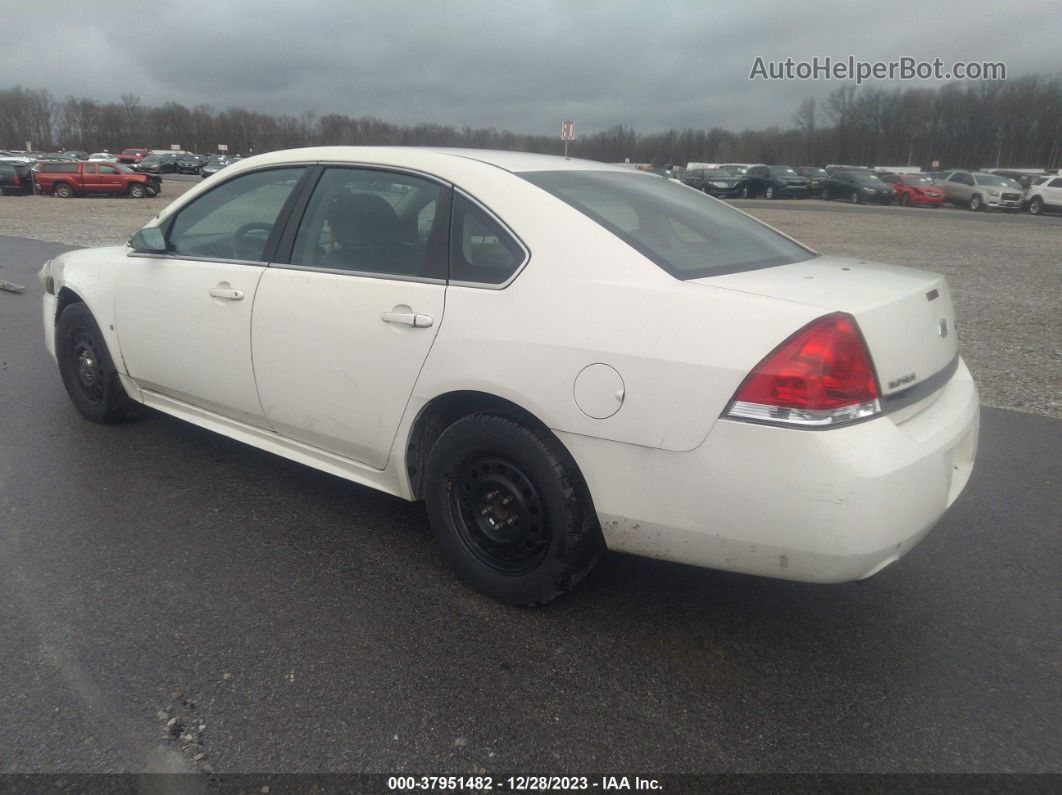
{"type": "Point", "coordinates": [18, 182]}
{"type": "Point", "coordinates": [821, 376]}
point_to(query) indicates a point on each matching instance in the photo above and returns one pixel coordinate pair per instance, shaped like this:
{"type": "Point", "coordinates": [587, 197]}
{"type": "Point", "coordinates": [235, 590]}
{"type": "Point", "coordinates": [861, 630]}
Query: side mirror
{"type": "Point", "coordinates": [148, 240]}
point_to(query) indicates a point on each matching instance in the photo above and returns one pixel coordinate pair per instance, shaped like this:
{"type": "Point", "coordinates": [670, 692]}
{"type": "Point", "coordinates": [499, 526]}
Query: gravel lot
{"type": "Point", "coordinates": [1005, 271]}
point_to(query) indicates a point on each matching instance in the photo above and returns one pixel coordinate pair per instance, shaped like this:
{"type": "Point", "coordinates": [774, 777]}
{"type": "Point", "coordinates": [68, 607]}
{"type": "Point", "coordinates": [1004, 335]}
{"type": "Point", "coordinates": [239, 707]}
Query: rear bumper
{"type": "Point", "coordinates": [815, 506]}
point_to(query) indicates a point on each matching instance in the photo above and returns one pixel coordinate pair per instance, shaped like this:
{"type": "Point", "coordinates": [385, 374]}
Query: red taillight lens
{"type": "Point", "coordinates": [18, 182]}
{"type": "Point", "coordinates": [820, 376]}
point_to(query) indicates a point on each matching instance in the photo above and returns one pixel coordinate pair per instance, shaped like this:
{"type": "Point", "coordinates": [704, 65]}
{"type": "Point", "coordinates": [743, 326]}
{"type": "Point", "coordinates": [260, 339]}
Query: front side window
{"type": "Point", "coordinates": [235, 219]}
{"type": "Point", "coordinates": [374, 222]}
{"type": "Point", "coordinates": [684, 232]}
{"type": "Point", "coordinates": [1055, 183]}
{"type": "Point", "coordinates": [108, 170]}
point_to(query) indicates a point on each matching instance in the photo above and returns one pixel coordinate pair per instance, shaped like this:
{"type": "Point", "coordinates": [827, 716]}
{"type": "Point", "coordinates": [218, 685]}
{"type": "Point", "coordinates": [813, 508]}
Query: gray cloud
{"type": "Point", "coordinates": [521, 65]}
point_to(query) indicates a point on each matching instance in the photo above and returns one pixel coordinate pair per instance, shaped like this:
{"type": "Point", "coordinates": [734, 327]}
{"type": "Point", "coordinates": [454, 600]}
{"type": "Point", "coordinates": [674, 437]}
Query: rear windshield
{"type": "Point", "coordinates": [685, 232]}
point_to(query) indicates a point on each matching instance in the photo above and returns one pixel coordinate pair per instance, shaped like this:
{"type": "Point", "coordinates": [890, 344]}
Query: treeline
{"type": "Point", "coordinates": [1017, 123]}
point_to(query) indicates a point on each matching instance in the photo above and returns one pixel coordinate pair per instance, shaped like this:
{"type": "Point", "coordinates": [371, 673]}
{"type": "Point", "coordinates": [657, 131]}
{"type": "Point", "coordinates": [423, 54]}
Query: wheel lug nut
{"type": "Point", "coordinates": [484, 512]}
{"type": "Point", "coordinates": [507, 500]}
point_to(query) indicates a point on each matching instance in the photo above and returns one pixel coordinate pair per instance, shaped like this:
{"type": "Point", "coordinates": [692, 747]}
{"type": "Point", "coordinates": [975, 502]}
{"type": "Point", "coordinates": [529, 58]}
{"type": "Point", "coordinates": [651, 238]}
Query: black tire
{"type": "Point", "coordinates": [976, 203]}
{"type": "Point", "coordinates": [905, 200]}
{"type": "Point", "coordinates": [87, 369]}
{"type": "Point", "coordinates": [745, 192]}
{"type": "Point", "coordinates": [137, 190]}
{"type": "Point", "coordinates": [64, 190]}
{"type": "Point", "coordinates": [825, 195]}
{"type": "Point", "coordinates": [769, 193]}
{"type": "Point", "coordinates": [1036, 206]}
{"type": "Point", "coordinates": [856, 197]}
{"type": "Point", "coordinates": [510, 510]}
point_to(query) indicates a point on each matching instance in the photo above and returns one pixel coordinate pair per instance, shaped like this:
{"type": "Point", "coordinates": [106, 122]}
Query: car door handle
{"type": "Point", "coordinates": [226, 293]}
{"type": "Point", "coordinates": [408, 319]}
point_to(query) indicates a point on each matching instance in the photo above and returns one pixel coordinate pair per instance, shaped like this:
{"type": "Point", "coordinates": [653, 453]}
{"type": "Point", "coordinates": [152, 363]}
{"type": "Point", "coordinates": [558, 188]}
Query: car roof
{"type": "Point", "coordinates": [397, 155]}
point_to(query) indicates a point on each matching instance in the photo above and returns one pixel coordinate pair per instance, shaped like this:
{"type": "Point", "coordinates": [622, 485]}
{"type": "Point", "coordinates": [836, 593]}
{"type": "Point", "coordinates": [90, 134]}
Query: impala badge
{"type": "Point", "coordinates": [942, 328]}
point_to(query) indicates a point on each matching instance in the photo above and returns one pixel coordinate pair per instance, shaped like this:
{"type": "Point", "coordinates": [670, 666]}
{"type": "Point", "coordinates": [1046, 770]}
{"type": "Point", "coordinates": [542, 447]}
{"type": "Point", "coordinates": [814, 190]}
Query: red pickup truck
{"type": "Point", "coordinates": [133, 155]}
{"type": "Point", "coordinates": [67, 179]}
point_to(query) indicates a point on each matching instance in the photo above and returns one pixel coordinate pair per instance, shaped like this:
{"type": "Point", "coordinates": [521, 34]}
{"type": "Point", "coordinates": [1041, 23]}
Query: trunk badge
{"type": "Point", "coordinates": [942, 328]}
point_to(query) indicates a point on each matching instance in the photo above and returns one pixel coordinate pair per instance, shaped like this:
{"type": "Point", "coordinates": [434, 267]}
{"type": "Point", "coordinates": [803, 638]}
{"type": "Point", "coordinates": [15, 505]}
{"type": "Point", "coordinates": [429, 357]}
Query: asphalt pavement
{"type": "Point", "coordinates": [154, 571]}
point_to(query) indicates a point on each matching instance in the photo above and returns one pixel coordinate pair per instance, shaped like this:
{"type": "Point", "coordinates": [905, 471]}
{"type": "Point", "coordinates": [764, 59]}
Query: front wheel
{"type": "Point", "coordinates": [1036, 206]}
{"type": "Point", "coordinates": [976, 203]}
{"type": "Point", "coordinates": [510, 509]}
{"type": "Point", "coordinates": [87, 369]}
{"type": "Point", "coordinates": [825, 195]}
{"type": "Point", "coordinates": [905, 200]}
{"type": "Point", "coordinates": [745, 192]}
{"type": "Point", "coordinates": [769, 192]}
{"type": "Point", "coordinates": [137, 190]}
{"type": "Point", "coordinates": [856, 197]}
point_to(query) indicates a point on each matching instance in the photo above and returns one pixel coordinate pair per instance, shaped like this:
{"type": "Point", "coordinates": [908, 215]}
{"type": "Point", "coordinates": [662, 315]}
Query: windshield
{"type": "Point", "coordinates": [781, 171]}
{"type": "Point", "coordinates": [813, 172]}
{"type": "Point", "coordinates": [739, 170]}
{"type": "Point", "coordinates": [911, 179]}
{"type": "Point", "coordinates": [717, 173]}
{"type": "Point", "coordinates": [684, 232]}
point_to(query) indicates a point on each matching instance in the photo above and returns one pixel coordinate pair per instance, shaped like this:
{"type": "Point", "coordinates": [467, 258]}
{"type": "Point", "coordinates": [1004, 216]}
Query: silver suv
{"type": "Point", "coordinates": [978, 191]}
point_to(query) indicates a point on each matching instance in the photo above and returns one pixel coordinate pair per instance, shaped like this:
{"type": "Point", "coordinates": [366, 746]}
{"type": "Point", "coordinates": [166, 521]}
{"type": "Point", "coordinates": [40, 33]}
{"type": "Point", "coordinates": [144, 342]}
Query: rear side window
{"type": "Point", "coordinates": [1055, 183]}
{"type": "Point", "coordinates": [375, 222]}
{"type": "Point", "coordinates": [59, 168]}
{"type": "Point", "coordinates": [481, 250]}
{"type": "Point", "coordinates": [684, 232]}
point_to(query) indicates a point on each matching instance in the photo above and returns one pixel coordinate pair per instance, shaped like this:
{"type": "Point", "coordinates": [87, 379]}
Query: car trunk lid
{"type": "Point", "coordinates": [905, 315]}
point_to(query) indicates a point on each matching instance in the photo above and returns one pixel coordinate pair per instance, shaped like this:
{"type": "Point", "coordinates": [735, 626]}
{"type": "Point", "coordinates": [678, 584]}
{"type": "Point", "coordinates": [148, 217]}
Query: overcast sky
{"type": "Point", "coordinates": [523, 65]}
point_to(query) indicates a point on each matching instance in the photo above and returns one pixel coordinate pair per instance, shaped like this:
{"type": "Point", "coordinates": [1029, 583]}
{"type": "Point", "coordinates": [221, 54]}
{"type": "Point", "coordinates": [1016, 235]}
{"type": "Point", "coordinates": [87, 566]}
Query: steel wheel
{"type": "Point", "coordinates": [90, 376]}
{"type": "Point", "coordinates": [499, 515]}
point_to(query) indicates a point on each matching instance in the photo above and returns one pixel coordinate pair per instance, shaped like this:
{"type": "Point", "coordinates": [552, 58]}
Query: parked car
{"type": "Point", "coordinates": [774, 182]}
{"type": "Point", "coordinates": [707, 390]}
{"type": "Point", "coordinates": [713, 181]}
{"type": "Point", "coordinates": [215, 163]}
{"type": "Point", "coordinates": [74, 154]}
{"type": "Point", "coordinates": [915, 189]}
{"type": "Point", "coordinates": [816, 178]}
{"type": "Point", "coordinates": [858, 187]}
{"type": "Point", "coordinates": [189, 164]}
{"type": "Point", "coordinates": [157, 164]}
{"type": "Point", "coordinates": [977, 190]}
{"type": "Point", "coordinates": [134, 155]}
{"type": "Point", "coordinates": [1044, 194]}
{"type": "Point", "coordinates": [16, 178]}
{"type": "Point", "coordinates": [18, 175]}
{"type": "Point", "coordinates": [105, 157]}
{"type": "Point", "coordinates": [70, 179]}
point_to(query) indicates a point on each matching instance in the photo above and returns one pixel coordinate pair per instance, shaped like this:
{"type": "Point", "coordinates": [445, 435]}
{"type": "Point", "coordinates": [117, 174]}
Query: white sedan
{"type": "Point", "coordinates": [558, 356]}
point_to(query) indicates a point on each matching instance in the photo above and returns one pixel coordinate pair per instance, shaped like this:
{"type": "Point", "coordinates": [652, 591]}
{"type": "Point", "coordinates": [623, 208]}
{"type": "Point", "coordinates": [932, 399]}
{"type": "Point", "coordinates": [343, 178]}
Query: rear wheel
{"type": "Point", "coordinates": [825, 195]}
{"type": "Point", "coordinates": [87, 369]}
{"type": "Point", "coordinates": [856, 197]}
{"type": "Point", "coordinates": [510, 509]}
{"type": "Point", "coordinates": [64, 191]}
{"type": "Point", "coordinates": [745, 192]}
{"type": "Point", "coordinates": [137, 190]}
{"type": "Point", "coordinates": [905, 200]}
